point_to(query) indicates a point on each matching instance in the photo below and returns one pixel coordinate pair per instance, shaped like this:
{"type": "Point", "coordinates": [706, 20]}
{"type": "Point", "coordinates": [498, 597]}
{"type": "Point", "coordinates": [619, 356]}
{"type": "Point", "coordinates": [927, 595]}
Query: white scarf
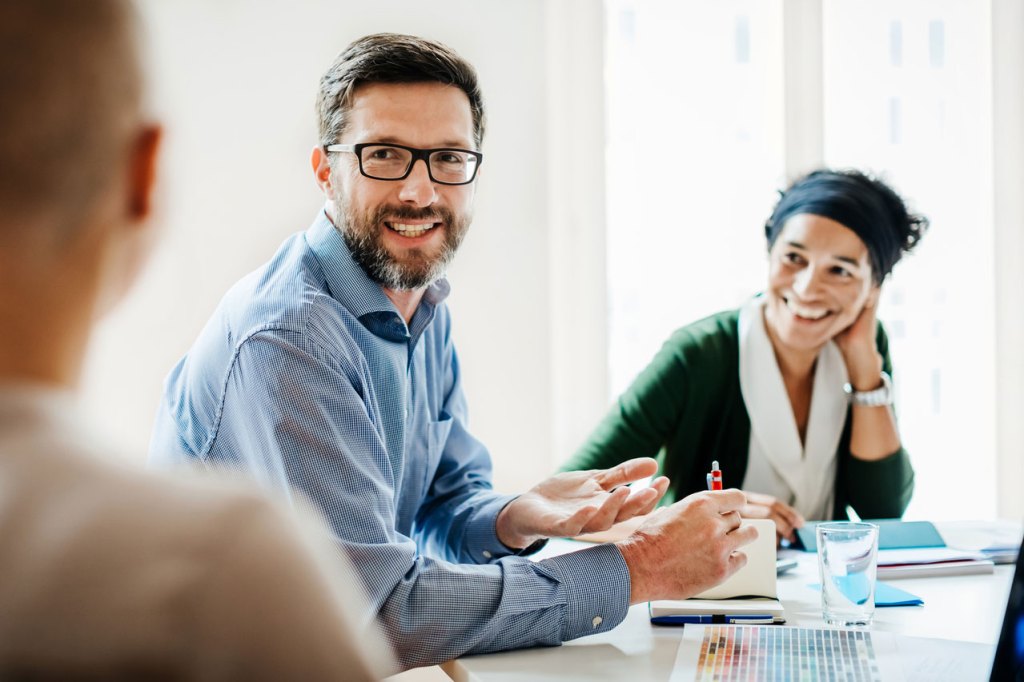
{"type": "Point", "coordinates": [803, 476]}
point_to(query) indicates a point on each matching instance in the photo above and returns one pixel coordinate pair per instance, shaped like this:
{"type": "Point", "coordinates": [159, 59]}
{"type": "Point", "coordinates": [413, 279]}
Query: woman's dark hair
{"type": "Point", "coordinates": [864, 204]}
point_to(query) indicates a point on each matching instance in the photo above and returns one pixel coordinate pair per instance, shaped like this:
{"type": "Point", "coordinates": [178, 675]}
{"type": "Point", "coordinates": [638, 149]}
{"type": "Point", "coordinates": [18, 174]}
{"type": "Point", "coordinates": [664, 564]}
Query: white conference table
{"type": "Point", "coordinates": [966, 607]}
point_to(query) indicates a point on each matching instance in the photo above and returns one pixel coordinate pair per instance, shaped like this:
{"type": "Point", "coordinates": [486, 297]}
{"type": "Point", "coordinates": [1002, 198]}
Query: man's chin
{"type": "Point", "coordinates": [405, 275]}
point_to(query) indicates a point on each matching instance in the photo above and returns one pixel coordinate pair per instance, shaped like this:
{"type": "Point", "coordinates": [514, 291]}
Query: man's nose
{"type": "Point", "coordinates": [417, 187]}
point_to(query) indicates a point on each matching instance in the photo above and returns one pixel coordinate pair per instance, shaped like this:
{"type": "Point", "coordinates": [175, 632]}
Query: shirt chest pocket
{"type": "Point", "coordinates": [437, 438]}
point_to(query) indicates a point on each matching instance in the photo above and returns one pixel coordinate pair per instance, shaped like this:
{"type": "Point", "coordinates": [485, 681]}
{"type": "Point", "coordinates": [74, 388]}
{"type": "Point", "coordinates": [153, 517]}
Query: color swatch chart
{"type": "Point", "coordinates": [779, 653]}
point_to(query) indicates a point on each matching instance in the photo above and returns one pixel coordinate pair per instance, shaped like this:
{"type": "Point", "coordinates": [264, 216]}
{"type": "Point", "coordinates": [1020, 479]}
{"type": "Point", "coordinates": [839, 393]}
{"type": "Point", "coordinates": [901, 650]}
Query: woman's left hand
{"type": "Point", "coordinates": [857, 344]}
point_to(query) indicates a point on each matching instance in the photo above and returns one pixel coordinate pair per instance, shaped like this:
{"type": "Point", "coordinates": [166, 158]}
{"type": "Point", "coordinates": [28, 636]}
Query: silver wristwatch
{"type": "Point", "coordinates": [875, 398]}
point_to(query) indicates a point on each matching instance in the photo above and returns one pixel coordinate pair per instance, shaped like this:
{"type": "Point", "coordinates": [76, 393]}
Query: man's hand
{"type": "Point", "coordinates": [786, 518]}
{"type": "Point", "coordinates": [687, 548]}
{"type": "Point", "coordinates": [576, 502]}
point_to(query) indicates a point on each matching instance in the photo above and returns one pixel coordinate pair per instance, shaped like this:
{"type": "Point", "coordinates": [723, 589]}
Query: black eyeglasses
{"type": "Point", "coordinates": [394, 162]}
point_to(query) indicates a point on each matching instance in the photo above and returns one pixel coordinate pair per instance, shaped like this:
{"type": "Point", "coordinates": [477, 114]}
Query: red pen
{"type": "Point", "coordinates": [715, 477]}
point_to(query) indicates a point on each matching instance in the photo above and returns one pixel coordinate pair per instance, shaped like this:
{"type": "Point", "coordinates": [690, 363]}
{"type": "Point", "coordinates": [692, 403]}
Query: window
{"type": "Point", "coordinates": [918, 109]}
{"type": "Point", "coordinates": [695, 148]}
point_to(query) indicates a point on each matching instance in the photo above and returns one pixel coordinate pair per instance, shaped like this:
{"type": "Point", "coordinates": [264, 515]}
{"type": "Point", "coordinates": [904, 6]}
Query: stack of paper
{"type": "Point", "coordinates": [921, 562]}
{"type": "Point", "coordinates": [996, 540]}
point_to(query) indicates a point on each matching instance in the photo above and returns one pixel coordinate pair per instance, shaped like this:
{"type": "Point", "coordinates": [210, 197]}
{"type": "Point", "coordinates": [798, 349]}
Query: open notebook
{"type": "Point", "coordinates": [749, 596]}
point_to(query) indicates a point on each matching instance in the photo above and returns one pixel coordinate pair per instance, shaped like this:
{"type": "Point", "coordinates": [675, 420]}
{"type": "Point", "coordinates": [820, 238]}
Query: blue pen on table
{"type": "Point", "coordinates": [716, 618]}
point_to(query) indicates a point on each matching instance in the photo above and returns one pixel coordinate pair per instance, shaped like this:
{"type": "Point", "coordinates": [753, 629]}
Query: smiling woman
{"type": "Point", "coordinates": [792, 392]}
{"type": "Point", "coordinates": [819, 281]}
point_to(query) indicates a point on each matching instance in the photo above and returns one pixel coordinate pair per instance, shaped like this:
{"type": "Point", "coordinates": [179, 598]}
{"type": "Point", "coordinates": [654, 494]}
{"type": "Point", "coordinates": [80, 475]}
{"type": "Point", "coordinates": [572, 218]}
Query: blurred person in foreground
{"type": "Point", "coordinates": [792, 393]}
{"type": "Point", "coordinates": [333, 369]}
{"type": "Point", "coordinates": [110, 571]}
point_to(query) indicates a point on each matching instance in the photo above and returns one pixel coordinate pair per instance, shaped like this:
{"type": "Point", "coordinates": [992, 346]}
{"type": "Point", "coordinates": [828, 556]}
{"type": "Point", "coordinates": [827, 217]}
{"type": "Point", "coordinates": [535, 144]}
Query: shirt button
{"type": "Point", "coordinates": [487, 555]}
{"type": "Point", "coordinates": [597, 621]}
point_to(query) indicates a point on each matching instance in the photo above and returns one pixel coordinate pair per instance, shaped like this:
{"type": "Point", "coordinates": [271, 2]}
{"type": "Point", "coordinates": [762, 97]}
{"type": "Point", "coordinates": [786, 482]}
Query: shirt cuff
{"type": "Point", "coordinates": [597, 586]}
{"type": "Point", "coordinates": [482, 541]}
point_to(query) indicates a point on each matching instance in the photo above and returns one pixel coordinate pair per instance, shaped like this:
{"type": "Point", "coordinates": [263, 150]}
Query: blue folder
{"type": "Point", "coordinates": [892, 534]}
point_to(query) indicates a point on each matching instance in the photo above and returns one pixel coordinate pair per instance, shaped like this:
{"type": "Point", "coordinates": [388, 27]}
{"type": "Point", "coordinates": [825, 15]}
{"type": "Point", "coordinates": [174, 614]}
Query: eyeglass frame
{"type": "Point", "coordinates": [417, 155]}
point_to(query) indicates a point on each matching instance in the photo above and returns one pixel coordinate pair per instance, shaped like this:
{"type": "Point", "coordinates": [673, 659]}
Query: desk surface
{"type": "Point", "coordinates": [968, 607]}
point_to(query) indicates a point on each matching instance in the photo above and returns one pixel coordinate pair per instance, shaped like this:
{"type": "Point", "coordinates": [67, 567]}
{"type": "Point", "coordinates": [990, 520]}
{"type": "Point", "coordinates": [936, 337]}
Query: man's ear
{"type": "Point", "coordinates": [142, 170]}
{"type": "Point", "coordinates": [321, 170]}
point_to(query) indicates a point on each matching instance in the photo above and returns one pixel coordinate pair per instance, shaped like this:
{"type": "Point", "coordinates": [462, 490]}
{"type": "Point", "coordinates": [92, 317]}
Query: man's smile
{"type": "Point", "coordinates": [417, 229]}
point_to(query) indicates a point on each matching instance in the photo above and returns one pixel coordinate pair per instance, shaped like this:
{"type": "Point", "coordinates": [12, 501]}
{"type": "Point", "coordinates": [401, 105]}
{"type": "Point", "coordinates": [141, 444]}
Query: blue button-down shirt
{"type": "Point", "coordinates": [308, 378]}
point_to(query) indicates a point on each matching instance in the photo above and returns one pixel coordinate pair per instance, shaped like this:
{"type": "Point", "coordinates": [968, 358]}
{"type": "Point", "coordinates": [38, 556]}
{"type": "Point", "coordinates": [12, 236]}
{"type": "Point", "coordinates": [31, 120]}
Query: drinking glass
{"type": "Point", "coordinates": [847, 565]}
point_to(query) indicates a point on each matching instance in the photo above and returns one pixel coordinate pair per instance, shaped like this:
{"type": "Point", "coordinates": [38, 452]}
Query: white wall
{"type": "Point", "coordinates": [235, 83]}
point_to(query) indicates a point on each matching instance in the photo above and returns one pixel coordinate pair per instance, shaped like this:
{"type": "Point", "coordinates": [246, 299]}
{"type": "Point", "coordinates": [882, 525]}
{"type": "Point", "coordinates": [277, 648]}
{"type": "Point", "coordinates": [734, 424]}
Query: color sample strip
{"type": "Point", "coordinates": [732, 653]}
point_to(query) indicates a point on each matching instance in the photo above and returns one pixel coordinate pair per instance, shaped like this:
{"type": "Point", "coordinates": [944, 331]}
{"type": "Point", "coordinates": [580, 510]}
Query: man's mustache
{"type": "Point", "coordinates": [393, 213]}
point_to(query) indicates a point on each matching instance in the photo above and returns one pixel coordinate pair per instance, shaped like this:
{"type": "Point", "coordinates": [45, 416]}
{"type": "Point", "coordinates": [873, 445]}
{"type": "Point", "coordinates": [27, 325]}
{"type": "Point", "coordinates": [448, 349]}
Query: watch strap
{"type": "Point", "coordinates": [874, 398]}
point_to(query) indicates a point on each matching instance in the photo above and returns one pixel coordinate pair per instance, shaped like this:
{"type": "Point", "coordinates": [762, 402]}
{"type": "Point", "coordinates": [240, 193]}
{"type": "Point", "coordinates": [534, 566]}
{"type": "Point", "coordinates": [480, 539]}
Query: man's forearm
{"type": "Point", "coordinates": [433, 611]}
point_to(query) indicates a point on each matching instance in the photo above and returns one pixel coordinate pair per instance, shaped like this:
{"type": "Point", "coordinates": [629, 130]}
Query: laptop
{"type": "Point", "coordinates": [1009, 660]}
{"type": "Point", "coordinates": [755, 651]}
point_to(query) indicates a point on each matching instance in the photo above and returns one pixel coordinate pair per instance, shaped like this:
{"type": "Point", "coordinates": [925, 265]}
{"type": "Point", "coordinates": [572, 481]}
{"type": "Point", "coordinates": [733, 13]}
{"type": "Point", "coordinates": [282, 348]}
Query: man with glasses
{"type": "Point", "coordinates": [332, 369]}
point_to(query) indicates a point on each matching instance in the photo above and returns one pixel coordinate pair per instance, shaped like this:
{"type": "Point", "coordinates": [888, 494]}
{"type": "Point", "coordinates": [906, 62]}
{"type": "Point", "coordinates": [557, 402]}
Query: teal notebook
{"type": "Point", "coordinates": [892, 534]}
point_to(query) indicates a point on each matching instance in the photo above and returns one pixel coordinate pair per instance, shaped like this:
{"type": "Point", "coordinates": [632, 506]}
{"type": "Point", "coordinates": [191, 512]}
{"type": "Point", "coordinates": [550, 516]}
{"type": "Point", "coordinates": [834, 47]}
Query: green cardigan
{"type": "Point", "coordinates": [686, 408]}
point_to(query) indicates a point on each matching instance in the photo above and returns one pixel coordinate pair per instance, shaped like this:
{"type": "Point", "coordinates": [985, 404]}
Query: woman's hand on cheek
{"type": "Point", "coordinates": [857, 344]}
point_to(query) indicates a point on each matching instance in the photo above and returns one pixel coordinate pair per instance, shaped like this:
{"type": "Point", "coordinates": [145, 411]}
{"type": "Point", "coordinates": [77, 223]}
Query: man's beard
{"type": "Point", "coordinates": [364, 236]}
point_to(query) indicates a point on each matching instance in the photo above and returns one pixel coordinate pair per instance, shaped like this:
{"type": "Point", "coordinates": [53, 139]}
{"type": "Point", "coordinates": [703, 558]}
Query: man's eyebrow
{"type": "Point", "coordinates": [845, 259]}
{"type": "Point", "coordinates": [450, 143]}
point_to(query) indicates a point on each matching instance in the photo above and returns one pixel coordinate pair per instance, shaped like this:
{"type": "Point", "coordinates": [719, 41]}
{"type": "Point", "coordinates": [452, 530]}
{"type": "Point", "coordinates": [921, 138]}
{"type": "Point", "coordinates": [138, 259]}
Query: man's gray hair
{"type": "Point", "coordinates": [392, 58]}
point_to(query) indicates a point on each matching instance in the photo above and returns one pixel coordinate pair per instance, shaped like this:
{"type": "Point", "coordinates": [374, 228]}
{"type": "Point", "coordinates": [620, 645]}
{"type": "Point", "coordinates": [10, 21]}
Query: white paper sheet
{"type": "Point", "coordinates": [944, 660]}
{"type": "Point", "coordinates": [898, 657]}
{"type": "Point", "coordinates": [878, 663]}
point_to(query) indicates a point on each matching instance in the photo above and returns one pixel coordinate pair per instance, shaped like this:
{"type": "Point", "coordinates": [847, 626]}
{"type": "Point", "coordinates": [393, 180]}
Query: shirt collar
{"type": "Point", "coordinates": [349, 284]}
